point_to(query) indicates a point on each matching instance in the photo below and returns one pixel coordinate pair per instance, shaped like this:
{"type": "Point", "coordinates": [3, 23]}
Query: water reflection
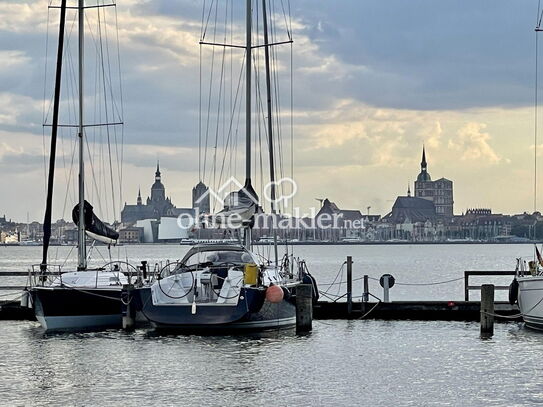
{"type": "Point", "coordinates": [341, 362]}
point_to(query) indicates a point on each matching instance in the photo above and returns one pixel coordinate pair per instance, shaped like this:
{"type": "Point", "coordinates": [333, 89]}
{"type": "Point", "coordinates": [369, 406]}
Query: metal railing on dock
{"type": "Point", "coordinates": [469, 273]}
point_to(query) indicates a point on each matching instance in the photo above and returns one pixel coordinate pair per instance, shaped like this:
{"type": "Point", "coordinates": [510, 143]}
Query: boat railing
{"type": "Point", "coordinates": [39, 276]}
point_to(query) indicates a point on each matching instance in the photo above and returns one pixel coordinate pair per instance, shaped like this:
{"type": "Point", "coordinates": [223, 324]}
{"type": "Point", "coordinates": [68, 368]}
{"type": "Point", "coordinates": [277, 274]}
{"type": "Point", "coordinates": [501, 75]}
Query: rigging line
{"type": "Point", "coordinates": [209, 96]}
{"type": "Point", "coordinates": [44, 113]}
{"type": "Point", "coordinates": [232, 109]}
{"type": "Point", "coordinates": [121, 97]}
{"type": "Point", "coordinates": [114, 107]}
{"type": "Point", "coordinates": [286, 22]}
{"type": "Point", "coordinates": [208, 17]}
{"type": "Point", "coordinates": [200, 117]}
{"type": "Point", "coordinates": [99, 75]}
{"type": "Point", "coordinates": [291, 117]}
{"type": "Point", "coordinates": [239, 87]}
{"type": "Point", "coordinates": [106, 112]}
{"type": "Point", "coordinates": [535, 119]}
{"type": "Point", "coordinates": [70, 172]}
{"type": "Point", "coordinates": [539, 14]}
{"type": "Point", "coordinates": [221, 81]}
{"type": "Point", "coordinates": [71, 86]}
{"type": "Point", "coordinates": [96, 115]}
{"type": "Point", "coordinates": [225, 106]}
{"type": "Point", "coordinates": [289, 18]}
{"type": "Point", "coordinates": [262, 115]}
{"type": "Point", "coordinates": [68, 32]}
{"type": "Point", "coordinates": [203, 16]}
{"type": "Point", "coordinates": [258, 99]}
{"type": "Point", "coordinates": [91, 162]}
{"type": "Point", "coordinates": [278, 132]}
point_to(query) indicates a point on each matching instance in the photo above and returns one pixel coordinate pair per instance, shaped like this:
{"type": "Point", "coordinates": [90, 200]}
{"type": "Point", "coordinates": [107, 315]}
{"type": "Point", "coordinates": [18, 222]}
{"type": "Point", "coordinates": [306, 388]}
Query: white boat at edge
{"type": "Point", "coordinates": [530, 300]}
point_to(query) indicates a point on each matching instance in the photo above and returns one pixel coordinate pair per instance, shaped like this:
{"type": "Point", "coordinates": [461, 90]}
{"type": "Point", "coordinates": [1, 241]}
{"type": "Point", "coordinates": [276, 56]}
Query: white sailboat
{"type": "Point", "coordinates": [83, 298]}
{"type": "Point", "coordinates": [527, 287]}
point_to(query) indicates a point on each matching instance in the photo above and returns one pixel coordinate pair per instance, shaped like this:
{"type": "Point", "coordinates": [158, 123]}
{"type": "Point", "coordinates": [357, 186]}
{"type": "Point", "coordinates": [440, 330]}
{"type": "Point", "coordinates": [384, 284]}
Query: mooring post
{"type": "Point", "coordinates": [366, 292]}
{"type": "Point", "coordinates": [349, 285]}
{"type": "Point", "coordinates": [487, 310]}
{"type": "Point", "coordinates": [128, 314]}
{"type": "Point", "coordinates": [466, 285]}
{"type": "Point", "coordinates": [304, 308]}
{"type": "Point", "coordinates": [386, 288]}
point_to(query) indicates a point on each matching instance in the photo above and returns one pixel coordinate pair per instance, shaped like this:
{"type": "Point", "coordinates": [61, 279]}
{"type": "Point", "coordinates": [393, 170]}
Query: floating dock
{"type": "Point", "coordinates": [396, 310]}
{"type": "Point", "coordinates": [414, 310]}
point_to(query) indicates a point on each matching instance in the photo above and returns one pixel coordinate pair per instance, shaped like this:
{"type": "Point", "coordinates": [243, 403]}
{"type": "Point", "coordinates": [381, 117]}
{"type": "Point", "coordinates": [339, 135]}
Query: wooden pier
{"type": "Point", "coordinates": [411, 310]}
{"type": "Point", "coordinates": [352, 309]}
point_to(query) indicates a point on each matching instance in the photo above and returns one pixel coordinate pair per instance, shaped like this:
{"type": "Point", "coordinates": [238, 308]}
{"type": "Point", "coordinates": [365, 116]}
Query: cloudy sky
{"type": "Point", "coordinates": [373, 81]}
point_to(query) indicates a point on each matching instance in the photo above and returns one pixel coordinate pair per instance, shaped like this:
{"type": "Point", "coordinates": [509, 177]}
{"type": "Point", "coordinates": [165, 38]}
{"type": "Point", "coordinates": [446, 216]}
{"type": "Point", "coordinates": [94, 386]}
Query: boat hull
{"type": "Point", "coordinates": [530, 301]}
{"type": "Point", "coordinates": [251, 313]}
{"type": "Point", "coordinates": [60, 308]}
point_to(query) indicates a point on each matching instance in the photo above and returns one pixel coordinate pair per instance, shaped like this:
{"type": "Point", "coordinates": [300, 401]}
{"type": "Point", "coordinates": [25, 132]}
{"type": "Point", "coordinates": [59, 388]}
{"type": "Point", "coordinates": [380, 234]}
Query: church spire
{"type": "Point", "coordinates": [408, 190]}
{"type": "Point", "coordinates": [157, 173]}
{"type": "Point", "coordinates": [139, 201]}
{"type": "Point", "coordinates": [423, 176]}
{"type": "Point", "coordinates": [423, 164]}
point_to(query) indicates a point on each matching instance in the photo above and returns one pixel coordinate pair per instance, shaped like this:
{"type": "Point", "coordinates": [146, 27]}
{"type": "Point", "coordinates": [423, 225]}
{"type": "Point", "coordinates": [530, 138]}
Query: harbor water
{"type": "Point", "coordinates": [359, 362]}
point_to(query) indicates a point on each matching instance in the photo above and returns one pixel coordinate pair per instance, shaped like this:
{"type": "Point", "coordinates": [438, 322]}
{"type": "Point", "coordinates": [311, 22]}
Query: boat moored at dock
{"type": "Point", "coordinates": [218, 287]}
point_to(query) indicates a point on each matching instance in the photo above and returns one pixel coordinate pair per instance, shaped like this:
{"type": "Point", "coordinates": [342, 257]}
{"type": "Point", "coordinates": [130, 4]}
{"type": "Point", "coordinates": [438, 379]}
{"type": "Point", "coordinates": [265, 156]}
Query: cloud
{"type": "Point", "coordinates": [373, 81]}
{"type": "Point", "coordinates": [12, 59]}
{"type": "Point", "coordinates": [474, 145]}
{"type": "Point", "coordinates": [14, 107]}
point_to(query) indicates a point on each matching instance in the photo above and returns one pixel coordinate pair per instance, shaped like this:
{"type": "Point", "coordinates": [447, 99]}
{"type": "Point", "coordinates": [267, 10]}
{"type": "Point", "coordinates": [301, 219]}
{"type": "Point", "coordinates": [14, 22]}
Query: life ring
{"type": "Point", "coordinates": [513, 292]}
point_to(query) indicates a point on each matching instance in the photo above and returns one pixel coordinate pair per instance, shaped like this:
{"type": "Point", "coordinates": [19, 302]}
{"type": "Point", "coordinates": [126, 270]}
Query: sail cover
{"type": "Point", "coordinates": [239, 206]}
{"type": "Point", "coordinates": [94, 227]}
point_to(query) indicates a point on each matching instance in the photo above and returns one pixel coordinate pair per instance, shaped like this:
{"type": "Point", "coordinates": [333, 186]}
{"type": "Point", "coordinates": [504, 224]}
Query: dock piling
{"type": "Point", "coordinates": [385, 283]}
{"type": "Point", "coordinates": [304, 308]}
{"type": "Point", "coordinates": [349, 285]}
{"type": "Point", "coordinates": [487, 310]}
{"type": "Point", "coordinates": [366, 292]}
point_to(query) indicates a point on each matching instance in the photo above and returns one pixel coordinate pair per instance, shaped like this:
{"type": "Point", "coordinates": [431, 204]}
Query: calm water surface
{"type": "Point", "coordinates": [407, 263]}
{"type": "Point", "coordinates": [378, 363]}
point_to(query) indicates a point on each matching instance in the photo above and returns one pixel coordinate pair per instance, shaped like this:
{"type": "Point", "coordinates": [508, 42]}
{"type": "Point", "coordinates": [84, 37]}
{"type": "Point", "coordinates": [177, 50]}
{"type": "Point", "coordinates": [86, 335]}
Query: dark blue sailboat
{"type": "Point", "coordinates": [227, 287]}
{"type": "Point", "coordinates": [218, 287]}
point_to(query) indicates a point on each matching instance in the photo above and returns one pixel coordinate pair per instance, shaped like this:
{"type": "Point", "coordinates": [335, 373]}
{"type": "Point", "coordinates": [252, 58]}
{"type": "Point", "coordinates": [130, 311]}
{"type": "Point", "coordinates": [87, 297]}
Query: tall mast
{"type": "Point", "coordinates": [270, 134]}
{"type": "Point", "coordinates": [248, 96]}
{"type": "Point", "coordinates": [54, 132]}
{"type": "Point", "coordinates": [248, 187]}
{"type": "Point", "coordinates": [82, 252]}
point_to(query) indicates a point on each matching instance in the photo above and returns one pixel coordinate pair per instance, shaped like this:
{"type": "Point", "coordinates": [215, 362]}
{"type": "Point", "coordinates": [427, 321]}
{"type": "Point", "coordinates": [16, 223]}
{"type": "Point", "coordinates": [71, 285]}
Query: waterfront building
{"type": "Point", "coordinates": [411, 218]}
{"type": "Point", "coordinates": [131, 234]}
{"type": "Point", "coordinates": [337, 224]}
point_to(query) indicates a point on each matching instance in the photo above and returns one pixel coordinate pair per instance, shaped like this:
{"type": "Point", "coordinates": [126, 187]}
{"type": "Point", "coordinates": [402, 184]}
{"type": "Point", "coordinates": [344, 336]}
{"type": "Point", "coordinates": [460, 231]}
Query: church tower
{"type": "Point", "coordinates": [424, 175]}
{"type": "Point", "coordinates": [424, 187]}
{"type": "Point", "coordinates": [158, 192]}
{"type": "Point", "coordinates": [200, 198]}
{"type": "Point", "coordinates": [440, 192]}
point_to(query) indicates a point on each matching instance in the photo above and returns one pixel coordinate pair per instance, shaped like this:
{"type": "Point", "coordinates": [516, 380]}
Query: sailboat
{"type": "Point", "coordinates": [84, 298]}
{"type": "Point", "coordinates": [225, 287]}
{"type": "Point", "coordinates": [527, 286]}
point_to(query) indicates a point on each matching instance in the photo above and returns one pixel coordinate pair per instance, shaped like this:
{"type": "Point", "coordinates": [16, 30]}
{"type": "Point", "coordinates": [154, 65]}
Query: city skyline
{"type": "Point", "coordinates": [363, 109]}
